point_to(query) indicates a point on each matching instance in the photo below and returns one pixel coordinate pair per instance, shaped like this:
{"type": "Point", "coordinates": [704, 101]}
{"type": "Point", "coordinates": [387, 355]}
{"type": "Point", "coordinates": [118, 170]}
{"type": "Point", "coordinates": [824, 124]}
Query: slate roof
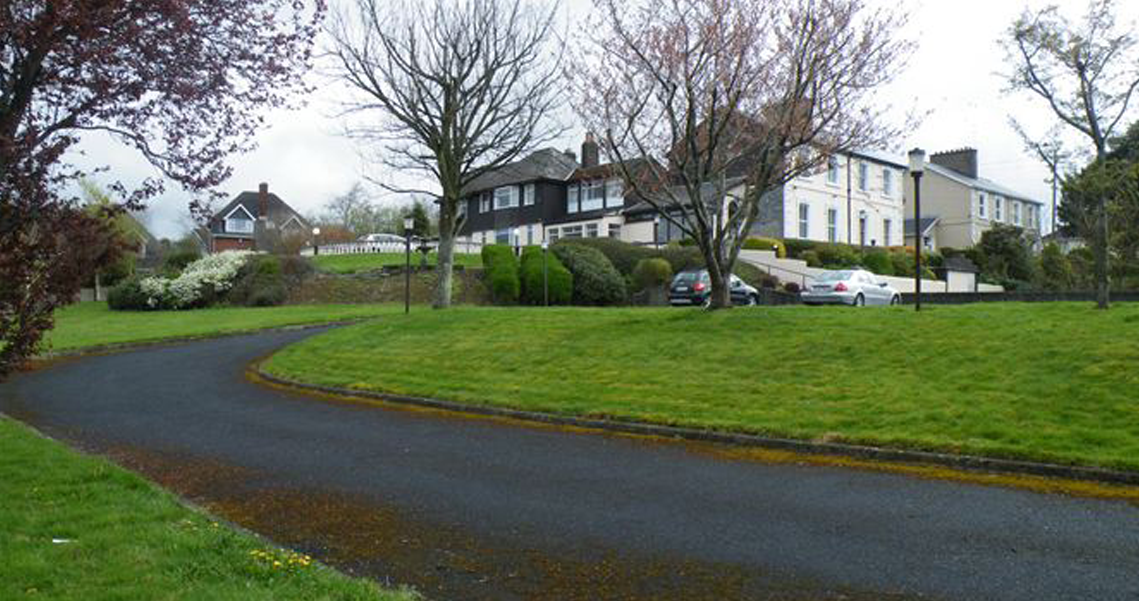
{"type": "Point", "coordinates": [548, 164]}
{"type": "Point", "coordinates": [980, 183]}
{"type": "Point", "coordinates": [927, 224]}
{"type": "Point", "coordinates": [279, 212]}
{"type": "Point", "coordinates": [708, 193]}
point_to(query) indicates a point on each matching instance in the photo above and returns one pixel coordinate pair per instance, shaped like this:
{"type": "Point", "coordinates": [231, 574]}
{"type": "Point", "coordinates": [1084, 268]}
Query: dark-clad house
{"type": "Point", "coordinates": [253, 221]}
{"type": "Point", "coordinates": [546, 196]}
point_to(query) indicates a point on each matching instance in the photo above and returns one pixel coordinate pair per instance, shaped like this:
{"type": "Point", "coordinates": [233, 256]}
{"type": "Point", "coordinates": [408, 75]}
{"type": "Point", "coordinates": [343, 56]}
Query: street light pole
{"type": "Point", "coordinates": [315, 245]}
{"type": "Point", "coordinates": [545, 274]}
{"type": "Point", "coordinates": [408, 225]}
{"type": "Point", "coordinates": [917, 167]}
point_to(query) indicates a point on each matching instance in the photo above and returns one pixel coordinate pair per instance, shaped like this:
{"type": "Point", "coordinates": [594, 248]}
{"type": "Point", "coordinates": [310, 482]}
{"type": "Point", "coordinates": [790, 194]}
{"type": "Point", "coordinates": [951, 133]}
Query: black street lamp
{"type": "Point", "coordinates": [917, 167]}
{"type": "Point", "coordinates": [315, 246]}
{"type": "Point", "coordinates": [545, 274]}
{"type": "Point", "coordinates": [408, 225]}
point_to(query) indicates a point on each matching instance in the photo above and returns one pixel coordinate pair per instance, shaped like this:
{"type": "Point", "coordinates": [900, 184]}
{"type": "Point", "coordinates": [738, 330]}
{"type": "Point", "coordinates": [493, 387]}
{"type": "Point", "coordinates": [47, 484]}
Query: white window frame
{"type": "Point", "coordinates": [529, 234]}
{"type": "Point", "coordinates": [832, 171]}
{"type": "Point", "coordinates": [528, 195]}
{"type": "Point", "coordinates": [614, 193]}
{"type": "Point", "coordinates": [863, 177]}
{"type": "Point", "coordinates": [1015, 212]}
{"type": "Point", "coordinates": [505, 197]}
{"type": "Point", "coordinates": [804, 221]}
{"type": "Point", "coordinates": [887, 227]}
{"type": "Point", "coordinates": [981, 209]}
{"type": "Point", "coordinates": [572, 231]}
{"type": "Point", "coordinates": [592, 230]}
{"type": "Point", "coordinates": [887, 182]}
{"type": "Point", "coordinates": [998, 208]}
{"type": "Point", "coordinates": [832, 225]}
{"type": "Point", "coordinates": [573, 193]}
{"type": "Point", "coordinates": [592, 195]}
{"type": "Point", "coordinates": [229, 220]}
{"type": "Point", "coordinates": [615, 230]}
{"type": "Point", "coordinates": [484, 202]}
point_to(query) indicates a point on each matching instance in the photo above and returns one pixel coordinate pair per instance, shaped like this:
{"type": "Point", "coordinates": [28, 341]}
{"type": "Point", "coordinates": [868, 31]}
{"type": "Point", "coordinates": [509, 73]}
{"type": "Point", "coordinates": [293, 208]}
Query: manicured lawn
{"type": "Point", "coordinates": [119, 537]}
{"type": "Point", "coordinates": [93, 324]}
{"type": "Point", "coordinates": [1054, 382]}
{"type": "Point", "coordinates": [367, 262]}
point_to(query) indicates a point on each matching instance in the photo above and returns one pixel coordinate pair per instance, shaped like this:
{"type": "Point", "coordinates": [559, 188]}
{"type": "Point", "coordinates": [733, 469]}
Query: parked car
{"type": "Point", "coordinates": [389, 238]}
{"type": "Point", "coordinates": [695, 288]}
{"type": "Point", "coordinates": [855, 287]}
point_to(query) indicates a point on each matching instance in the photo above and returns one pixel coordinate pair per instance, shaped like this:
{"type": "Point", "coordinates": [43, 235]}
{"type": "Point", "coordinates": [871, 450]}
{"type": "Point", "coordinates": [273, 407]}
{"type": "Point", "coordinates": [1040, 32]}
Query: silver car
{"type": "Point", "coordinates": [854, 287]}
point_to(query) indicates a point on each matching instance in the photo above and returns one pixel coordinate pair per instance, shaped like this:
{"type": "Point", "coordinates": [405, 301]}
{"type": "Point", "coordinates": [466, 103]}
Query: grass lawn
{"type": "Point", "coordinates": [1053, 382]}
{"type": "Point", "coordinates": [93, 324]}
{"type": "Point", "coordinates": [129, 539]}
{"type": "Point", "coordinates": [344, 264]}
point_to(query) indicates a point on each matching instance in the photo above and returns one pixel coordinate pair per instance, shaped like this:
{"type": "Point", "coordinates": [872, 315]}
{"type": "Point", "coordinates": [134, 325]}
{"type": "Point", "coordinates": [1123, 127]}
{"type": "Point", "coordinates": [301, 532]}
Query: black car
{"type": "Point", "coordinates": [695, 288]}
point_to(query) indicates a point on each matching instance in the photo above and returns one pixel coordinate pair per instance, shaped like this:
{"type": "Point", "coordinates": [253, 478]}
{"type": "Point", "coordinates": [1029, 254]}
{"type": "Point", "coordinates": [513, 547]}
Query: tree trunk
{"type": "Point", "coordinates": [446, 255]}
{"type": "Point", "coordinates": [721, 296]}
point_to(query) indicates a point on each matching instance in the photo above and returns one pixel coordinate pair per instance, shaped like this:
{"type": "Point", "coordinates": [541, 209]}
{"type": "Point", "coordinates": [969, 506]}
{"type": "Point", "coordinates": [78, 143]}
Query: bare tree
{"type": "Point", "coordinates": [347, 208]}
{"type": "Point", "coordinates": [1087, 73]}
{"type": "Point", "coordinates": [709, 105]}
{"type": "Point", "coordinates": [1050, 150]}
{"type": "Point", "coordinates": [456, 89]}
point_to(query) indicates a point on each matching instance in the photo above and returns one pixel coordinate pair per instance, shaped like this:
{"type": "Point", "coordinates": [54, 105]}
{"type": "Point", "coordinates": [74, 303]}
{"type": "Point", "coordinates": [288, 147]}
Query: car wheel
{"type": "Point", "coordinates": [860, 301]}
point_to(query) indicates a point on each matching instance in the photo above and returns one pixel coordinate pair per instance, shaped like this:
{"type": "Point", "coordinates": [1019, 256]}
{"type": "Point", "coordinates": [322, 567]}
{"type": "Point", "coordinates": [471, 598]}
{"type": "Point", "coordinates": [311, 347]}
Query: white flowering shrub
{"type": "Point", "coordinates": [199, 284]}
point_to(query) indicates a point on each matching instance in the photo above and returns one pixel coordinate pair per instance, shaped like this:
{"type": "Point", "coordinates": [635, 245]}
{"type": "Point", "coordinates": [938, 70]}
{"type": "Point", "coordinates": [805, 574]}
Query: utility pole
{"type": "Point", "coordinates": [1055, 165]}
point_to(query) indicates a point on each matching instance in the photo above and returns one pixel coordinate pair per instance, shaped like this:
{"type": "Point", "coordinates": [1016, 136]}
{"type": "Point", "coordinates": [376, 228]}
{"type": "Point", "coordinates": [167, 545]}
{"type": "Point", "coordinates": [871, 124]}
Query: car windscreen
{"type": "Point", "coordinates": [834, 276]}
{"type": "Point", "coordinates": [687, 277]}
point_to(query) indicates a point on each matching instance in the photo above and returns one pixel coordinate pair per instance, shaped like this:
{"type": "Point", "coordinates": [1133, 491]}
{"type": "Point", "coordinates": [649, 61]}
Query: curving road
{"type": "Point", "coordinates": [479, 509]}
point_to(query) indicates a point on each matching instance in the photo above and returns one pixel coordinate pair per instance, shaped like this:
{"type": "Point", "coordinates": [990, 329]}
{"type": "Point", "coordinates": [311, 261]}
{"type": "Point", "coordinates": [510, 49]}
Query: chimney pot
{"type": "Point", "coordinates": [590, 152]}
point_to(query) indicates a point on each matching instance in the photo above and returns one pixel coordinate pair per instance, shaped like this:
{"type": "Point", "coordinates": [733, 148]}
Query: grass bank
{"type": "Point", "coordinates": [345, 264]}
{"type": "Point", "coordinates": [1050, 382]}
{"type": "Point", "coordinates": [78, 527]}
{"type": "Point", "coordinates": [93, 324]}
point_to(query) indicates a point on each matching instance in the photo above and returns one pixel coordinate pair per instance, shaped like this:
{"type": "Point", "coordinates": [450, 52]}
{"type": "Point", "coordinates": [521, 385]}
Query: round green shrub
{"type": "Point", "coordinates": [500, 267]}
{"type": "Point", "coordinates": [796, 248]}
{"type": "Point", "coordinates": [127, 295]}
{"type": "Point", "coordinates": [595, 280]}
{"type": "Point", "coordinates": [622, 255]}
{"type": "Point", "coordinates": [559, 279]}
{"type": "Point", "coordinates": [652, 273]}
{"type": "Point", "coordinates": [878, 261]}
{"type": "Point", "coordinates": [766, 244]}
{"type": "Point", "coordinates": [812, 258]}
{"type": "Point", "coordinates": [835, 256]}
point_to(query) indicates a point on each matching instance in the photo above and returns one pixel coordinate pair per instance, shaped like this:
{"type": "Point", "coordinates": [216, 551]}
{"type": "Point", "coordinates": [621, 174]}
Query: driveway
{"type": "Point", "coordinates": [466, 508]}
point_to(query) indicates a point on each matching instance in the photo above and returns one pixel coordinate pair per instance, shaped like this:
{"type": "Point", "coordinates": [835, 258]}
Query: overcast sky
{"type": "Point", "coordinates": [953, 78]}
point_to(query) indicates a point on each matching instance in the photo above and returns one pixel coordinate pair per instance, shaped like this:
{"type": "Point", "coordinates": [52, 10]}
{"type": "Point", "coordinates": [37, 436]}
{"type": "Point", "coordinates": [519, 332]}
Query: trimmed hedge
{"type": "Point", "coordinates": [501, 269]}
{"type": "Point", "coordinates": [559, 279]}
{"type": "Point", "coordinates": [127, 295]}
{"type": "Point", "coordinates": [766, 244]}
{"type": "Point", "coordinates": [652, 273]}
{"type": "Point", "coordinates": [595, 280]}
{"type": "Point", "coordinates": [622, 255]}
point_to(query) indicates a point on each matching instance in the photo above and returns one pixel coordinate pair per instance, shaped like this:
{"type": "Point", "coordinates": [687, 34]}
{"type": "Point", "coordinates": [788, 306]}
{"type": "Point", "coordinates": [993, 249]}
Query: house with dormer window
{"type": "Point", "coordinates": [251, 219]}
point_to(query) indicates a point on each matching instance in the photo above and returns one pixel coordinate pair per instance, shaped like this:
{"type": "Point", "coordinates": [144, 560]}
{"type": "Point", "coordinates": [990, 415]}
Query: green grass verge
{"type": "Point", "coordinates": [129, 539]}
{"type": "Point", "coordinates": [344, 264]}
{"type": "Point", "coordinates": [1052, 382]}
{"type": "Point", "coordinates": [93, 324]}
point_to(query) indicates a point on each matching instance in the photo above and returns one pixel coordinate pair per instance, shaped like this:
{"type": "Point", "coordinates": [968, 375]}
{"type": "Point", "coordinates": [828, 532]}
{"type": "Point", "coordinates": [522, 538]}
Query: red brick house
{"type": "Point", "coordinates": [252, 220]}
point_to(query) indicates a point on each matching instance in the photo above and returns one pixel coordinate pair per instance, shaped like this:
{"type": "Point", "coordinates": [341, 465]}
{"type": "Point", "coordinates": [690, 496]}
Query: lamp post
{"type": "Point", "coordinates": [315, 246]}
{"type": "Point", "coordinates": [917, 167]}
{"type": "Point", "coordinates": [408, 225]}
{"type": "Point", "coordinates": [517, 241]}
{"type": "Point", "coordinates": [545, 274]}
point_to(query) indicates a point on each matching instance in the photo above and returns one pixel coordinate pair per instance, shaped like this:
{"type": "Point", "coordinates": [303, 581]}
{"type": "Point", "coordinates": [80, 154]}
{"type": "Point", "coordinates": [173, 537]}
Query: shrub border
{"type": "Point", "coordinates": [881, 454]}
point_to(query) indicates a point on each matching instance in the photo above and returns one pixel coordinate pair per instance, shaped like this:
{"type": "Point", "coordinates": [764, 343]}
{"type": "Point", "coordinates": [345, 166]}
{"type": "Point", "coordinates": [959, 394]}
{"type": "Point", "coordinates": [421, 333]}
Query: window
{"type": "Point", "coordinates": [553, 234]}
{"type": "Point", "coordinates": [887, 231]}
{"type": "Point", "coordinates": [832, 170]}
{"type": "Point", "coordinates": [484, 202]}
{"type": "Point", "coordinates": [614, 194]}
{"type": "Point", "coordinates": [591, 230]}
{"type": "Point", "coordinates": [997, 209]}
{"type": "Point", "coordinates": [981, 210]}
{"type": "Point", "coordinates": [572, 198]}
{"type": "Point", "coordinates": [862, 229]}
{"type": "Point", "coordinates": [863, 177]}
{"type": "Point", "coordinates": [482, 237]}
{"type": "Point", "coordinates": [505, 197]}
{"type": "Point", "coordinates": [592, 195]}
{"type": "Point", "coordinates": [832, 225]}
{"type": "Point", "coordinates": [614, 230]}
{"type": "Point", "coordinates": [530, 234]}
{"type": "Point", "coordinates": [502, 236]}
{"type": "Point", "coordinates": [887, 181]}
{"type": "Point", "coordinates": [463, 208]}
{"type": "Point", "coordinates": [528, 195]}
{"type": "Point", "coordinates": [239, 221]}
{"type": "Point", "coordinates": [803, 221]}
{"type": "Point", "coordinates": [1016, 212]}
{"type": "Point", "coordinates": [571, 231]}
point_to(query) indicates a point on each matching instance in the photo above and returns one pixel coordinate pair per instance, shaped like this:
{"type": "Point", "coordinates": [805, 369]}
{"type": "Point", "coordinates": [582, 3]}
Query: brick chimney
{"type": "Point", "coordinates": [590, 152]}
{"type": "Point", "coordinates": [963, 161]}
{"type": "Point", "coordinates": [263, 201]}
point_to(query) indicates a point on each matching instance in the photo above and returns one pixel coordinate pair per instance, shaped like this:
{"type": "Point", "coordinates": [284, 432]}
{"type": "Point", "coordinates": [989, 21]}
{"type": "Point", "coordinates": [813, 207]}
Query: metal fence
{"type": "Point", "coordinates": [359, 248]}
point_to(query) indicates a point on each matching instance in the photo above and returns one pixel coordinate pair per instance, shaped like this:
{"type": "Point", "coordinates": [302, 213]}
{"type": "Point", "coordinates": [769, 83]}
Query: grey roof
{"type": "Point", "coordinates": [882, 157]}
{"type": "Point", "coordinates": [981, 183]}
{"type": "Point", "coordinates": [549, 164]}
{"type": "Point", "coordinates": [927, 223]}
{"type": "Point", "coordinates": [708, 192]}
{"type": "Point", "coordinates": [279, 211]}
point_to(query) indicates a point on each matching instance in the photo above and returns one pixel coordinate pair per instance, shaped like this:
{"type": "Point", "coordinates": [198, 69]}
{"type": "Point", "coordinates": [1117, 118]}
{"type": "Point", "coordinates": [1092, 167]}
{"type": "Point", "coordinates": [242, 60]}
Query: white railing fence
{"type": "Point", "coordinates": [355, 248]}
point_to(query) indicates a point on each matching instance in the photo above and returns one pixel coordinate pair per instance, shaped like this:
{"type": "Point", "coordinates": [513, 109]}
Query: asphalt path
{"type": "Point", "coordinates": [466, 508]}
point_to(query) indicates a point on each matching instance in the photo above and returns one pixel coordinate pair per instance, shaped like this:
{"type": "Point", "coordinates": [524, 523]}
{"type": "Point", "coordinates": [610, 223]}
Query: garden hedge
{"type": "Point", "coordinates": [560, 280]}
{"type": "Point", "coordinates": [756, 243]}
{"type": "Point", "coordinates": [501, 269]}
{"type": "Point", "coordinates": [595, 280]}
